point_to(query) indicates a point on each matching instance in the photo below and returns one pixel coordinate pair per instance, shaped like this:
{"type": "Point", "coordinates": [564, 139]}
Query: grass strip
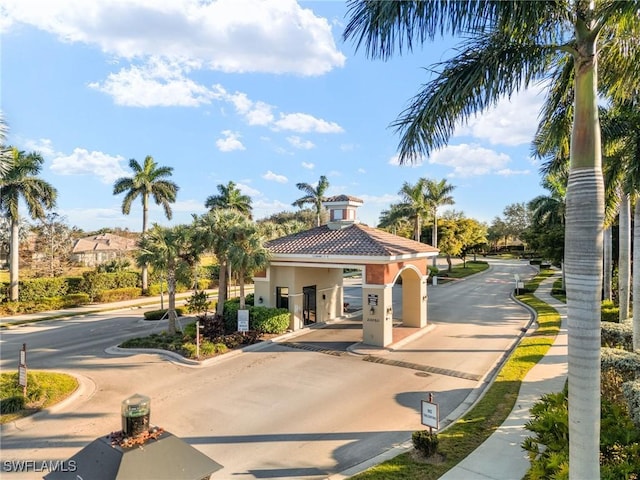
{"type": "Point", "coordinates": [461, 271]}
{"type": "Point", "coordinates": [43, 390]}
{"type": "Point", "coordinates": [472, 429]}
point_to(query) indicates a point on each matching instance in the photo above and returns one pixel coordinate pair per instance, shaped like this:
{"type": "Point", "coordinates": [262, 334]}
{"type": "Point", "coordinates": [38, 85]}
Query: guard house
{"type": "Point", "coordinates": [305, 273]}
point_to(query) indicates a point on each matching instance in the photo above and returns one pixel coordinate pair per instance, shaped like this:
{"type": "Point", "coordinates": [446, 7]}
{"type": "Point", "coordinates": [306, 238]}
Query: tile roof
{"type": "Point", "coordinates": [104, 242]}
{"type": "Point", "coordinates": [354, 240]}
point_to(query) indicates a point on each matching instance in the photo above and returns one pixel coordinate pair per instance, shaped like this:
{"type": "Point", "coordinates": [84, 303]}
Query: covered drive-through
{"type": "Point", "coordinates": [306, 273]}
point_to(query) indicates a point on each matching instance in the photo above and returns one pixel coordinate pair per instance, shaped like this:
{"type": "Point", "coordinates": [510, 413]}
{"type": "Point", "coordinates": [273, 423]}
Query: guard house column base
{"type": "Point", "coordinates": [377, 322]}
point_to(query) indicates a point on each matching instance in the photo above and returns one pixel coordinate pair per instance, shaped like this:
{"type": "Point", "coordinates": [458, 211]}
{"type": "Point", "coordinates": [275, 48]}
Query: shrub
{"type": "Point", "coordinates": [617, 335]}
{"type": "Point", "coordinates": [12, 404]}
{"type": "Point", "coordinates": [425, 442]}
{"type": "Point", "coordinates": [230, 314]}
{"type": "Point", "coordinates": [631, 392]}
{"type": "Point", "coordinates": [433, 270]}
{"type": "Point", "coordinates": [609, 312]}
{"type": "Point", "coordinates": [627, 364]}
{"type": "Point", "coordinates": [93, 282]}
{"type": "Point", "coordinates": [198, 303]}
{"type": "Point", "coordinates": [38, 288]}
{"type": "Point", "coordinates": [269, 320]}
{"type": "Point", "coordinates": [74, 284]}
{"type": "Point", "coordinates": [117, 294]}
{"type": "Point", "coordinates": [158, 314]}
{"type": "Point", "coordinates": [75, 300]}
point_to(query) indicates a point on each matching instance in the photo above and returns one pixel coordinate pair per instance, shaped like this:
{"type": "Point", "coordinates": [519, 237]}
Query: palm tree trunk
{"type": "Point", "coordinates": [222, 287]}
{"type": "Point", "coordinates": [636, 277]}
{"type": "Point", "coordinates": [608, 267]}
{"type": "Point", "coordinates": [434, 236]}
{"type": "Point", "coordinates": [416, 229]}
{"type": "Point", "coordinates": [624, 264]}
{"type": "Point", "coordinates": [241, 280]}
{"type": "Point", "coordinates": [583, 262]}
{"type": "Point", "coordinates": [171, 288]}
{"type": "Point", "coordinates": [145, 267]}
{"type": "Point", "coordinates": [14, 267]}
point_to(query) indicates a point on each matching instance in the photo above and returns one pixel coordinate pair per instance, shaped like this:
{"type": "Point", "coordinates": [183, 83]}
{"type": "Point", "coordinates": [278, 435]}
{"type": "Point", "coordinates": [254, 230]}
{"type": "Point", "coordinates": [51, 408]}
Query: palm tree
{"type": "Point", "coordinates": [509, 46]}
{"type": "Point", "coordinates": [247, 253]}
{"type": "Point", "coordinates": [231, 197]}
{"type": "Point", "coordinates": [313, 195]}
{"type": "Point", "coordinates": [437, 194]}
{"type": "Point", "coordinates": [166, 249]}
{"type": "Point", "coordinates": [394, 220]}
{"type": "Point", "coordinates": [21, 180]}
{"type": "Point", "coordinates": [213, 234]}
{"type": "Point", "coordinates": [148, 180]}
{"type": "Point", "coordinates": [414, 204]}
{"type": "Point", "coordinates": [6, 155]}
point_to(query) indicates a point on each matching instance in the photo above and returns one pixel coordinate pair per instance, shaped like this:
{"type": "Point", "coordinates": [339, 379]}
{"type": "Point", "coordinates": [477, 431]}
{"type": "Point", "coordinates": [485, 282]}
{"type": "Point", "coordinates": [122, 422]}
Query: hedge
{"type": "Point", "coordinates": [263, 319]}
{"type": "Point", "coordinates": [617, 335]}
{"type": "Point", "coordinates": [631, 392]}
{"type": "Point", "coordinates": [34, 289]}
{"type": "Point", "coordinates": [609, 312]}
{"type": "Point", "coordinates": [158, 314]}
{"type": "Point", "coordinates": [117, 294]}
{"type": "Point", "coordinates": [93, 282]}
{"type": "Point", "coordinates": [627, 364]}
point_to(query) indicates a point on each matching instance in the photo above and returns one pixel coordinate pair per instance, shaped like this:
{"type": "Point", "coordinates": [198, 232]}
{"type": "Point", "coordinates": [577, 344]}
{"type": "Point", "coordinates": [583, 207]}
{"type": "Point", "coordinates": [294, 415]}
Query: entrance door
{"type": "Point", "coordinates": [309, 305]}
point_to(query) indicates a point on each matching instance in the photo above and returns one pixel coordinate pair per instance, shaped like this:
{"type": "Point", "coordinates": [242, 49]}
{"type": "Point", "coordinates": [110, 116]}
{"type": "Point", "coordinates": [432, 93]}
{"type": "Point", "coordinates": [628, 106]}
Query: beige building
{"type": "Point", "coordinates": [99, 249]}
{"type": "Point", "coordinates": [305, 274]}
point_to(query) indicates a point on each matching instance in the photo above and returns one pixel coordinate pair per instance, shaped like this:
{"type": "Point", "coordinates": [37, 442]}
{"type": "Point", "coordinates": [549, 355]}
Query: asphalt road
{"type": "Point", "coordinates": [278, 412]}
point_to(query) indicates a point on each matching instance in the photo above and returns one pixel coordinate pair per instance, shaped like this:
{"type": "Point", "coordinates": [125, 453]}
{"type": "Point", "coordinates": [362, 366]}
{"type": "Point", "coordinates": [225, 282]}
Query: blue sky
{"type": "Point", "coordinates": [262, 93]}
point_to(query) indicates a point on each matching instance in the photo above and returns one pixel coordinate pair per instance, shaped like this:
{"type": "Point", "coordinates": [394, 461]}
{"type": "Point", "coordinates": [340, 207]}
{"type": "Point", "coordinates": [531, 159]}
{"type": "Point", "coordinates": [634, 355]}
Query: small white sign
{"type": "Point", "coordinates": [243, 320]}
{"type": "Point", "coordinates": [22, 375]}
{"type": "Point", "coordinates": [430, 416]}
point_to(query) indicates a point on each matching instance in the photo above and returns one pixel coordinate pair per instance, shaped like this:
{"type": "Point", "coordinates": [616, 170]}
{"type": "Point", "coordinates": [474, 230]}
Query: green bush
{"type": "Point", "coordinates": [230, 315]}
{"type": "Point", "coordinates": [75, 300]}
{"type": "Point", "coordinates": [631, 392]}
{"type": "Point", "coordinates": [609, 312]}
{"type": "Point", "coordinates": [617, 335]}
{"type": "Point", "coordinates": [269, 320]}
{"type": "Point", "coordinates": [117, 294]}
{"type": "Point", "coordinates": [627, 364]}
{"type": "Point", "coordinates": [12, 404]}
{"type": "Point", "coordinates": [32, 290]}
{"type": "Point", "coordinates": [425, 442]}
{"type": "Point", "coordinates": [93, 282]}
{"type": "Point", "coordinates": [74, 284]}
{"type": "Point", "coordinates": [158, 314]}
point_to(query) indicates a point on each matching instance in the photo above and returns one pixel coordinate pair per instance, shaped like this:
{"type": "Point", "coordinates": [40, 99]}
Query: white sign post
{"type": "Point", "coordinates": [22, 370]}
{"type": "Point", "coordinates": [430, 415]}
{"type": "Point", "coordinates": [243, 321]}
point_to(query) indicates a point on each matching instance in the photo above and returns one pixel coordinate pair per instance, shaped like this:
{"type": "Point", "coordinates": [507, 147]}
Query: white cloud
{"type": "Point", "coordinates": [158, 83]}
{"type": "Point", "coordinates": [271, 36]}
{"type": "Point", "coordinates": [470, 160]}
{"type": "Point", "coordinates": [507, 172]}
{"type": "Point", "coordinates": [265, 208]}
{"type": "Point", "coordinates": [230, 142]}
{"type": "Point", "coordinates": [44, 146]}
{"type": "Point", "coordinates": [247, 190]}
{"type": "Point", "coordinates": [298, 142]}
{"type": "Point", "coordinates": [308, 165]}
{"type": "Point", "coordinates": [361, 170]}
{"type": "Point", "coordinates": [511, 122]}
{"type": "Point", "coordinates": [303, 123]}
{"type": "Point", "coordinates": [418, 161]}
{"type": "Point", "coordinates": [83, 162]}
{"type": "Point", "coordinates": [275, 177]}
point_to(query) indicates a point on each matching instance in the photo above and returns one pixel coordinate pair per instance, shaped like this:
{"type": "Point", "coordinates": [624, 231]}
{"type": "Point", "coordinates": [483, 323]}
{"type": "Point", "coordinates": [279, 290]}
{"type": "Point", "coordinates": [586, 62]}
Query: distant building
{"type": "Point", "coordinates": [102, 248]}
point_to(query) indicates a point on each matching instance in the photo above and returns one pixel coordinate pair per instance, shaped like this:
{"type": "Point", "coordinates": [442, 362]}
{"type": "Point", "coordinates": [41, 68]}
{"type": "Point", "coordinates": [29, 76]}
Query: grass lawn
{"type": "Point", "coordinates": [467, 433]}
{"type": "Point", "coordinates": [461, 271]}
{"type": "Point", "coordinates": [43, 390]}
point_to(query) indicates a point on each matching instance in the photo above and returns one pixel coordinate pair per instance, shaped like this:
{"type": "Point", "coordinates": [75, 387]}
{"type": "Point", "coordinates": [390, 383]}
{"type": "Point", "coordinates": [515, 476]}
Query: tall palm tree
{"type": "Point", "coordinates": [166, 249]}
{"type": "Point", "coordinates": [313, 196]}
{"type": "Point", "coordinates": [509, 46]}
{"type": "Point", "coordinates": [437, 194]}
{"type": "Point", "coordinates": [213, 234]}
{"type": "Point", "coordinates": [230, 196]}
{"type": "Point", "coordinates": [148, 180]}
{"type": "Point", "coordinates": [247, 253]}
{"type": "Point", "coordinates": [21, 181]}
{"type": "Point", "coordinates": [414, 204]}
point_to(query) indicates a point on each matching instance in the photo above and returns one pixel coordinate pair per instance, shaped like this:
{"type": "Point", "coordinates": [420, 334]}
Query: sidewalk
{"type": "Point", "coordinates": [500, 456]}
{"type": "Point", "coordinates": [99, 307]}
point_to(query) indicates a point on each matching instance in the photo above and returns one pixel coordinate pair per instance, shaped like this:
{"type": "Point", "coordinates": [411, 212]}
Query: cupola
{"type": "Point", "coordinates": [342, 211]}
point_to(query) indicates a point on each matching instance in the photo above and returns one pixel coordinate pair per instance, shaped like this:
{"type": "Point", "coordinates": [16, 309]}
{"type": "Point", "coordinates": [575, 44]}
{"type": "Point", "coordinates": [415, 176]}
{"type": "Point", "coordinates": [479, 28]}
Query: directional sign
{"type": "Point", "coordinates": [430, 416]}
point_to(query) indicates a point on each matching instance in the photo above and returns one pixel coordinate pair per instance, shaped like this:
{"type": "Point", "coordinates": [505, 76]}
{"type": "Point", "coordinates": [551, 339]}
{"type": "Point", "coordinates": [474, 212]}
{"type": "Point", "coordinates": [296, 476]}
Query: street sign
{"type": "Point", "coordinates": [243, 320]}
{"type": "Point", "coordinates": [430, 416]}
{"type": "Point", "coordinates": [372, 300]}
{"type": "Point", "coordinates": [22, 370]}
